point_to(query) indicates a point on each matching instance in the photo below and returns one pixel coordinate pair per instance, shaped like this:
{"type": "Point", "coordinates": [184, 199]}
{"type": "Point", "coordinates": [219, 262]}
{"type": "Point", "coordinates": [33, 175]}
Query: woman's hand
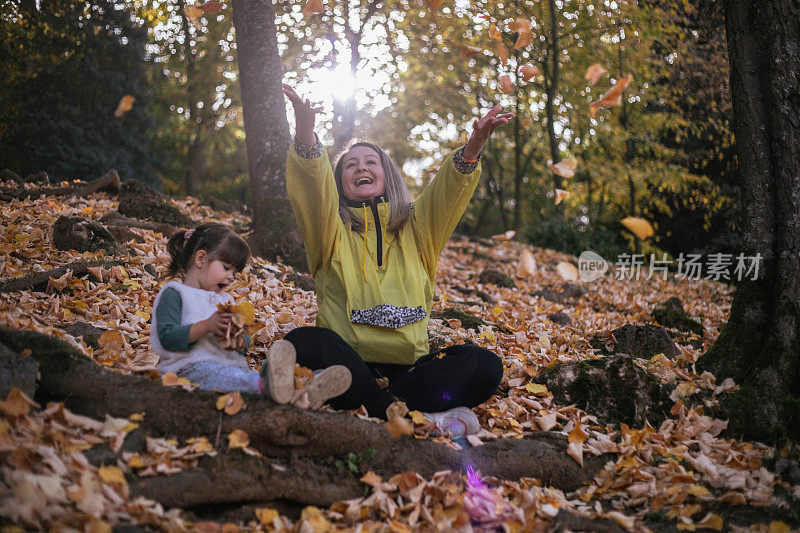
{"type": "Point", "coordinates": [482, 129]}
{"type": "Point", "coordinates": [305, 116]}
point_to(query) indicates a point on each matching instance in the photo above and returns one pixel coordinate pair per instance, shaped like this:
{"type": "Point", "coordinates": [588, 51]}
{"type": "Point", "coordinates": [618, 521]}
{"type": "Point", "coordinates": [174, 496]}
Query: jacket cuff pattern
{"type": "Point", "coordinates": [308, 152]}
{"type": "Point", "coordinates": [388, 316]}
{"type": "Point", "coordinates": [463, 166]}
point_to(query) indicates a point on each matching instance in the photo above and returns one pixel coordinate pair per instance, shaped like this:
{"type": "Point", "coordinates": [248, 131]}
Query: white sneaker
{"type": "Point", "coordinates": [456, 422]}
{"type": "Point", "coordinates": [278, 371]}
{"type": "Point", "coordinates": [326, 384]}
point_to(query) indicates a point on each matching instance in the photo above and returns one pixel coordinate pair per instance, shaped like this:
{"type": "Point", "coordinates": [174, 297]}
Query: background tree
{"type": "Point", "coordinates": [760, 346]}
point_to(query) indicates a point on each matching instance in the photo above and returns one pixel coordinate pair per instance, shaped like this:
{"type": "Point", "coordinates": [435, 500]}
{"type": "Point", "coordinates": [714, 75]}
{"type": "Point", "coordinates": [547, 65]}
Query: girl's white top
{"type": "Point", "coordinates": [197, 305]}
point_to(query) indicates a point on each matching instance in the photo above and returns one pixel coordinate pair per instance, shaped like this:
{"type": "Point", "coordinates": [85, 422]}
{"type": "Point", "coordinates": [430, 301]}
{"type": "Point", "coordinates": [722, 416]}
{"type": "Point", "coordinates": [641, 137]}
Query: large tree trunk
{"type": "Point", "coordinates": [267, 132]}
{"type": "Point", "coordinates": [760, 346]}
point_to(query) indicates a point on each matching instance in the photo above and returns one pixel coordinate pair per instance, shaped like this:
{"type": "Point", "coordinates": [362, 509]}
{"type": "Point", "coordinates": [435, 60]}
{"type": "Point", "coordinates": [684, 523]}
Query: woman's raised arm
{"type": "Point", "coordinates": [482, 129]}
{"type": "Point", "coordinates": [305, 116]}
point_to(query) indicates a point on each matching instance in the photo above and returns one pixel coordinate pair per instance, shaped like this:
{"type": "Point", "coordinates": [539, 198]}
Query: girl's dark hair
{"type": "Point", "coordinates": [218, 240]}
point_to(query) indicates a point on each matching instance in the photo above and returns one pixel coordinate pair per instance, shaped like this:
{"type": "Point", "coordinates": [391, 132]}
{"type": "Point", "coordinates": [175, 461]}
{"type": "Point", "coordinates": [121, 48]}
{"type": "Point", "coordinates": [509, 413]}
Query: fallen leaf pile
{"type": "Point", "coordinates": [682, 471]}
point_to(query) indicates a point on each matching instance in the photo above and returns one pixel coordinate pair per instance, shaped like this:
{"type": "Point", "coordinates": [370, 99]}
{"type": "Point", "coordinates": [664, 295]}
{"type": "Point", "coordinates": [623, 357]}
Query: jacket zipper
{"type": "Point", "coordinates": [378, 232]}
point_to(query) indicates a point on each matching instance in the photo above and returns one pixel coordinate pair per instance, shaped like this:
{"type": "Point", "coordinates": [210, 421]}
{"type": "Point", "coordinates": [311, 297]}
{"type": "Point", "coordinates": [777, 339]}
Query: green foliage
{"type": "Point", "coordinates": [353, 462]}
{"type": "Point", "coordinates": [572, 236]}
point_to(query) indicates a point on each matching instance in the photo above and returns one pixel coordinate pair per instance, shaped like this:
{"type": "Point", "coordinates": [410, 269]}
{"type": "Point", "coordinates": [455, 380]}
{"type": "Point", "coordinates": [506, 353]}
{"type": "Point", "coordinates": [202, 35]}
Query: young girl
{"type": "Point", "coordinates": [373, 255]}
{"type": "Point", "coordinates": [186, 324]}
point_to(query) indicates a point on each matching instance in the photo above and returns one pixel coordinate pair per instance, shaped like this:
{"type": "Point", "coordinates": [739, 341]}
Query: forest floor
{"type": "Point", "coordinates": [681, 474]}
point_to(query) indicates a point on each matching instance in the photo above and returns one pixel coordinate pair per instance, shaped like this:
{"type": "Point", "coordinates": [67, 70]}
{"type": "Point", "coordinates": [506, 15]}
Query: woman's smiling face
{"type": "Point", "coordinates": [362, 174]}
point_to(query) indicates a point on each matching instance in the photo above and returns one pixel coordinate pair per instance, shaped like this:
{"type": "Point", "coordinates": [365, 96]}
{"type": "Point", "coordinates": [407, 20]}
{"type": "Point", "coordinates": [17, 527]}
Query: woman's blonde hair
{"type": "Point", "coordinates": [396, 193]}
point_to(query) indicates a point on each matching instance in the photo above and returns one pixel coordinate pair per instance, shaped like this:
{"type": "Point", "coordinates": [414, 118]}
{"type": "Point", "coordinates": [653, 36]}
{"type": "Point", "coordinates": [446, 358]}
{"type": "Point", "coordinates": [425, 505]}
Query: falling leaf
{"type": "Point", "coordinates": [125, 104]}
{"type": "Point", "coordinates": [639, 227]}
{"type": "Point", "coordinates": [528, 71]}
{"type": "Point", "coordinates": [501, 51]}
{"type": "Point", "coordinates": [398, 427]}
{"type": "Point", "coordinates": [565, 168]}
{"type": "Point", "coordinates": [434, 5]}
{"type": "Point", "coordinates": [17, 403]}
{"type": "Point", "coordinates": [371, 478]}
{"type": "Point", "coordinates": [507, 236]}
{"type": "Point", "coordinates": [523, 40]}
{"type": "Point", "coordinates": [594, 73]}
{"type": "Point", "coordinates": [613, 97]}
{"type": "Point", "coordinates": [238, 439]}
{"type": "Point", "coordinates": [210, 7]}
{"type": "Point", "coordinates": [567, 271]}
{"type": "Point", "coordinates": [560, 194]}
{"type": "Point", "coordinates": [312, 7]}
{"type": "Point", "coordinates": [470, 51]}
{"type": "Point", "coordinates": [576, 452]}
{"type": "Point", "coordinates": [494, 34]}
{"type": "Point", "coordinates": [527, 264]}
{"type": "Point", "coordinates": [506, 85]}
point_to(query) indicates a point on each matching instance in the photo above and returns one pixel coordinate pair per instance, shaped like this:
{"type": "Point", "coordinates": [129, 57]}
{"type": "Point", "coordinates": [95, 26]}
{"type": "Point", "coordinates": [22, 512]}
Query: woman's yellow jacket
{"type": "Point", "coordinates": [379, 306]}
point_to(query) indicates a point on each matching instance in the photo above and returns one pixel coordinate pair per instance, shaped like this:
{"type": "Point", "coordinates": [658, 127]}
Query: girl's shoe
{"type": "Point", "coordinates": [278, 371]}
{"type": "Point", "coordinates": [456, 422]}
{"type": "Point", "coordinates": [326, 384]}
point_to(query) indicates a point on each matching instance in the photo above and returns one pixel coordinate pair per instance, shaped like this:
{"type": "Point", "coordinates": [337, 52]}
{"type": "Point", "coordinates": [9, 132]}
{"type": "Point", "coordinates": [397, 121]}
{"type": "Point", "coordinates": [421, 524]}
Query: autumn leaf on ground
{"type": "Point", "coordinates": [238, 439]}
{"type": "Point", "coordinates": [523, 40]}
{"type": "Point", "coordinates": [312, 7]}
{"type": "Point", "coordinates": [568, 271]}
{"type": "Point", "coordinates": [397, 408]}
{"type": "Point", "coordinates": [613, 97]}
{"type": "Point", "coordinates": [528, 71]}
{"type": "Point", "coordinates": [371, 479]}
{"type": "Point", "coordinates": [266, 516]}
{"type": "Point", "coordinates": [575, 451]}
{"type": "Point", "coordinates": [594, 73]}
{"type": "Point", "coordinates": [398, 427]}
{"type": "Point", "coordinates": [16, 403]}
{"type": "Point", "coordinates": [638, 226]}
{"type": "Point", "coordinates": [232, 403]}
{"type": "Point", "coordinates": [565, 168]}
{"type": "Point", "coordinates": [111, 341]}
{"type": "Point", "coordinates": [506, 85]}
{"type": "Point", "coordinates": [507, 236]}
{"type": "Point", "coordinates": [470, 51]}
{"type": "Point", "coordinates": [577, 435]}
{"type": "Point", "coordinates": [527, 264]}
{"type": "Point", "coordinates": [125, 104]}
{"type": "Point", "coordinates": [560, 195]}
{"type": "Point", "coordinates": [60, 283]}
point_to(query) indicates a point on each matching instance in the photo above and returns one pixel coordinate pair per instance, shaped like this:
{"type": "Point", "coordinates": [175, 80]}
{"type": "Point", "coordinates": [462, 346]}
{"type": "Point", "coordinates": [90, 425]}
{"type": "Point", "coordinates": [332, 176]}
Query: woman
{"type": "Point", "coordinates": [373, 255]}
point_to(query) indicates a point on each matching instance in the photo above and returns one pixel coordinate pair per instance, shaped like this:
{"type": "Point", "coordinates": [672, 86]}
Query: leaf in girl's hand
{"type": "Point", "coordinates": [639, 227]}
{"type": "Point", "coordinates": [125, 104]}
{"type": "Point", "coordinates": [506, 85]}
{"type": "Point", "coordinates": [565, 168]}
{"type": "Point", "coordinates": [528, 71]}
{"type": "Point", "coordinates": [469, 51]}
{"type": "Point", "coordinates": [594, 73]}
{"type": "Point", "coordinates": [613, 97]}
{"type": "Point", "coordinates": [312, 7]}
{"type": "Point", "coordinates": [560, 195]}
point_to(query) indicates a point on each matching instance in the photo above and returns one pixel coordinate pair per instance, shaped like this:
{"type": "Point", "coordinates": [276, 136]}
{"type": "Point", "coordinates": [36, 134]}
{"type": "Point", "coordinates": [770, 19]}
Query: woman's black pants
{"type": "Point", "coordinates": [460, 375]}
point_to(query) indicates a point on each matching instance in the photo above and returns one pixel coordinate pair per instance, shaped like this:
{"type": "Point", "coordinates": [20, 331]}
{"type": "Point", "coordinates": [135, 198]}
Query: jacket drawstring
{"type": "Point", "coordinates": [388, 244]}
{"type": "Point", "coordinates": [364, 253]}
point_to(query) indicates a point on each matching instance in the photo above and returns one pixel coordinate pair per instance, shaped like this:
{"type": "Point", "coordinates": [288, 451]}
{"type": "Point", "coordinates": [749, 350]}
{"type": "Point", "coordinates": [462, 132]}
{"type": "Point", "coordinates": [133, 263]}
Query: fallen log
{"type": "Point", "coordinates": [280, 432]}
{"type": "Point", "coordinates": [117, 219]}
{"type": "Point", "coordinates": [38, 281]}
{"type": "Point", "coordinates": [109, 182]}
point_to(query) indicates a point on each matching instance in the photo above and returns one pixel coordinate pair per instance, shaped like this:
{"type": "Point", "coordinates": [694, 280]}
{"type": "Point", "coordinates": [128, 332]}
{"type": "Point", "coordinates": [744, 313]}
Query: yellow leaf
{"type": "Point", "coordinates": [17, 403]}
{"type": "Point", "coordinates": [222, 401]}
{"type": "Point", "coordinates": [594, 73]}
{"type": "Point", "coordinates": [126, 103]}
{"type": "Point", "coordinates": [711, 521]}
{"type": "Point", "coordinates": [506, 85]}
{"type": "Point", "coordinates": [777, 526]}
{"type": "Point", "coordinates": [613, 97]}
{"type": "Point", "coordinates": [638, 226]}
{"type": "Point", "coordinates": [497, 310]}
{"type": "Point", "coordinates": [98, 526]}
{"type": "Point", "coordinates": [312, 7]}
{"type": "Point", "coordinates": [568, 271]}
{"type": "Point", "coordinates": [238, 439]}
{"type": "Point", "coordinates": [136, 462]}
{"type": "Point", "coordinates": [560, 195]}
{"type": "Point", "coordinates": [699, 491]}
{"type": "Point", "coordinates": [232, 403]}
{"type": "Point", "coordinates": [417, 417]}
{"type": "Point", "coordinates": [266, 516]}
{"type": "Point", "coordinates": [112, 474]}
{"type": "Point", "coordinates": [489, 336]}
{"type": "Point", "coordinates": [246, 309]}
{"type": "Point", "coordinates": [528, 71]}
{"type": "Point", "coordinates": [527, 264]}
{"type": "Point", "coordinates": [683, 526]}
{"type": "Point", "coordinates": [565, 168]}
{"type": "Point", "coordinates": [537, 388]}
{"type": "Point", "coordinates": [577, 435]}
{"type": "Point", "coordinates": [136, 417]}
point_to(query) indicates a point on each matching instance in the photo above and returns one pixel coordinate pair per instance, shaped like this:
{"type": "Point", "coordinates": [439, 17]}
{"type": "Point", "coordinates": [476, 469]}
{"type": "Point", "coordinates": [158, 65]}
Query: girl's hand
{"type": "Point", "coordinates": [305, 116]}
{"type": "Point", "coordinates": [482, 129]}
{"type": "Point", "coordinates": [218, 323]}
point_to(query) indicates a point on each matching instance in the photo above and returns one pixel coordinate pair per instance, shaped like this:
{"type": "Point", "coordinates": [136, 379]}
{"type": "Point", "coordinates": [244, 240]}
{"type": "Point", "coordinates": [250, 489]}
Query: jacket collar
{"type": "Point", "coordinates": [355, 203]}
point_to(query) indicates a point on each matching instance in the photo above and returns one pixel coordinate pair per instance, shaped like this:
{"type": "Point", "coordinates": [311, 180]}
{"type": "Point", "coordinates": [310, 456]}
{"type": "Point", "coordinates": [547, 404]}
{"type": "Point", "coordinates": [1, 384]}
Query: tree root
{"type": "Point", "coordinates": [108, 182]}
{"type": "Point", "coordinates": [38, 281]}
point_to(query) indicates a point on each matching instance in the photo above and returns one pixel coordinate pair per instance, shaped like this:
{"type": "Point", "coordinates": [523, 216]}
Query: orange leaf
{"type": "Point", "coordinates": [594, 73]}
{"type": "Point", "coordinates": [502, 52]}
{"type": "Point", "coordinates": [494, 34]}
{"type": "Point", "coordinates": [469, 51]}
{"type": "Point", "coordinates": [210, 7]}
{"type": "Point", "coordinates": [371, 478]}
{"type": "Point", "coordinates": [266, 516]}
{"type": "Point", "coordinates": [613, 97]}
{"type": "Point", "coordinates": [565, 168]}
{"type": "Point", "coordinates": [247, 310]}
{"type": "Point", "coordinates": [523, 40]}
{"type": "Point", "coordinates": [125, 104]}
{"type": "Point", "coordinates": [433, 5]}
{"type": "Point", "coordinates": [506, 85]}
{"type": "Point", "coordinates": [398, 427]}
{"type": "Point", "coordinates": [17, 403]}
{"type": "Point", "coordinates": [238, 439]}
{"type": "Point", "coordinates": [577, 435]}
{"type": "Point", "coordinates": [520, 25]}
{"type": "Point", "coordinates": [642, 229]}
{"type": "Point", "coordinates": [528, 71]}
{"type": "Point", "coordinates": [560, 195]}
{"type": "Point", "coordinates": [111, 341]}
{"type": "Point", "coordinates": [312, 7]}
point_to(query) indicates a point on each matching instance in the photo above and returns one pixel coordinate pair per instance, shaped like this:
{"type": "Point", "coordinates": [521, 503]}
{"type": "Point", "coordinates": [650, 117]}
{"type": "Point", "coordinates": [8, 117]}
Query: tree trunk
{"type": "Point", "coordinates": [267, 132]}
{"type": "Point", "coordinates": [551, 87]}
{"type": "Point", "coordinates": [194, 155]}
{"type": "Point", "coordinates": [760, 346]}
